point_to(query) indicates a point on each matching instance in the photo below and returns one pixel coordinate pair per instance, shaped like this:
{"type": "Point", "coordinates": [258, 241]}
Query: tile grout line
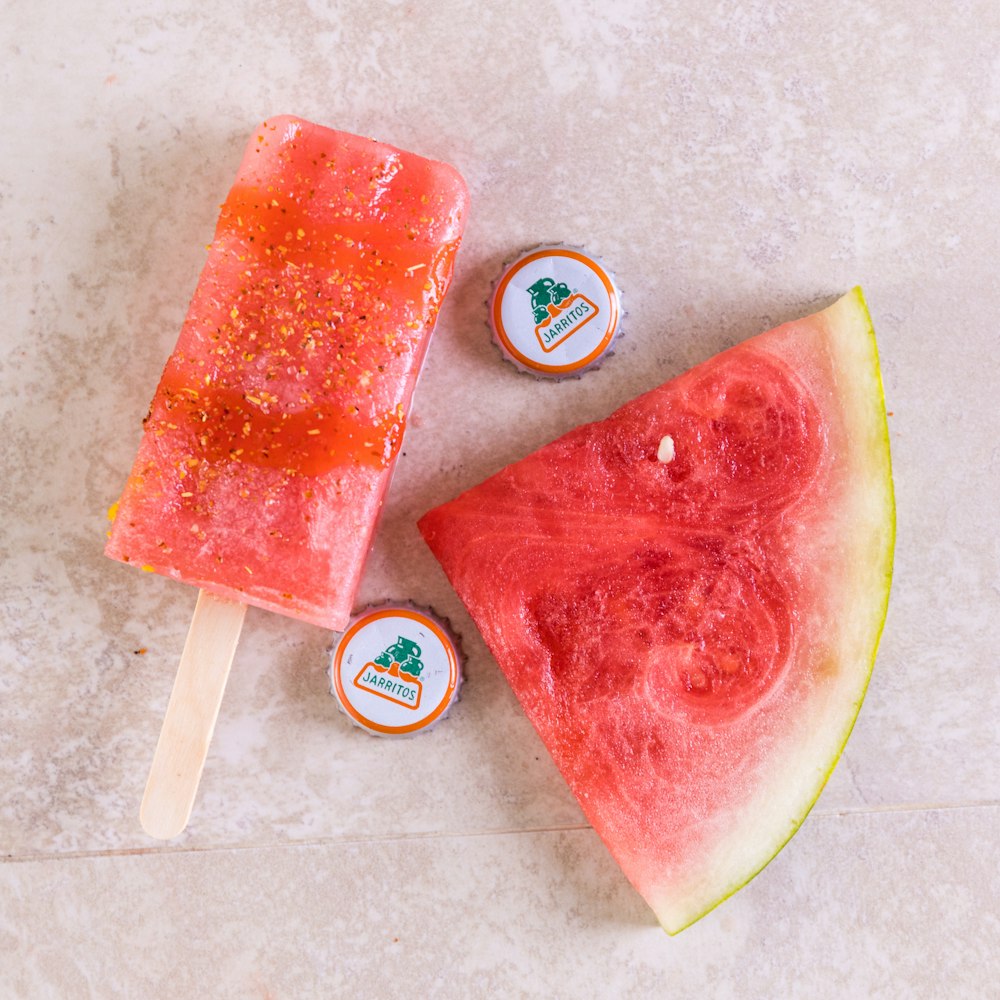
{"type": "Point", "coordinates": [345, 841]}
{"type": "Point", "coordinates": [906, 807]}
{"type": "Point", "coordinates": [348, 841]}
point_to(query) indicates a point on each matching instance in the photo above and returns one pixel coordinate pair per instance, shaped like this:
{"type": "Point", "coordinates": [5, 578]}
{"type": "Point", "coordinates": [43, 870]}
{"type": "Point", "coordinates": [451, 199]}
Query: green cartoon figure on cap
{"type": "Point", "coordinates": [404, 652]}
{"type": "Point", "coordinates": [546, 292]}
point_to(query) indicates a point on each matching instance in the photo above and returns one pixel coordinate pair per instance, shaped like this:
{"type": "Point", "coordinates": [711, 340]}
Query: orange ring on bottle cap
{"type": "Point", "coordinates": [395, 671]}
{"type": "Point", "coordinates": [555, 311]}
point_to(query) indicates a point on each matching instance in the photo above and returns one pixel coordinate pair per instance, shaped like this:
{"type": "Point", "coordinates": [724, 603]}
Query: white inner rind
{"type": "Point", "coordinates": [864, 529]}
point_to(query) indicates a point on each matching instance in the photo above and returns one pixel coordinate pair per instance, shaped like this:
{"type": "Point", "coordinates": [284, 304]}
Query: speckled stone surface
{"type": "Point", "coordinates": [737, 164]}
{"type": "Point", "coordinates": [851, 913]}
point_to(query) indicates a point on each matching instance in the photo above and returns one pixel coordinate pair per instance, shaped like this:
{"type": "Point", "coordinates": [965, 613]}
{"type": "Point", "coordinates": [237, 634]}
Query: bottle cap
{"type": "Point", "coordinates": [396, 670]}
{"type": "Point", "coordinates": [555, 311]}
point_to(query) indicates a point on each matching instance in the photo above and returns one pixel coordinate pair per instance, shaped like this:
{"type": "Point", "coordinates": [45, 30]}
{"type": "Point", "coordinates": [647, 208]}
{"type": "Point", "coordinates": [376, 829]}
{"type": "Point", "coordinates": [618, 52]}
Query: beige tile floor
{"type": "Point", "coordinates": [738, 164]}
{"type": "Point", "coordinates": [537, 913]}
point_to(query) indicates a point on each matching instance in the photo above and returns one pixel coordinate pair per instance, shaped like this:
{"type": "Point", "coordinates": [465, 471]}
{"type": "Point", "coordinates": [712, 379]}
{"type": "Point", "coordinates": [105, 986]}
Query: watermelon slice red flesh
{"type": "Point", "coordinates": [690, 624]}
{"type": "Point", "coordinates": [271, 439]}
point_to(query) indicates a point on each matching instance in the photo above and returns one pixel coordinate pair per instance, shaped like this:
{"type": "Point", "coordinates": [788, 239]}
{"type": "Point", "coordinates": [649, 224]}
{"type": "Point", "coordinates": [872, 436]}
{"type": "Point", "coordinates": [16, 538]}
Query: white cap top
{"type": "Point", "coordinates": [395, 671]}
{"type": "Point", "coordinates": [555, 311]}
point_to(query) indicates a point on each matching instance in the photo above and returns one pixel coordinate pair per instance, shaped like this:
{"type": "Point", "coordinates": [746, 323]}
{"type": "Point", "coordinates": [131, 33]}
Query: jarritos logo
{"type": "Point", "coordinates": [558, 312]}
{"type": "Point", "coordinates": [395, 670]}
{"type": "Point", "coordinates": [394, 674]}
{"type": "Point", "coordinates": [554, 310]}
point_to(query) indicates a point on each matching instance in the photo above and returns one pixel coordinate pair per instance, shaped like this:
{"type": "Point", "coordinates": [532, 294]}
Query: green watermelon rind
{"type": "Point", "coordinates": [854, 301]}
{"type": "Point", "coordinates": [849, 529]}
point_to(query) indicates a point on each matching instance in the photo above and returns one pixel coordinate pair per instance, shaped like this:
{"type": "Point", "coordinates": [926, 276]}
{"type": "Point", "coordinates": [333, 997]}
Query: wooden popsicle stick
{"type": "Point", "coordinates": [191, 714]}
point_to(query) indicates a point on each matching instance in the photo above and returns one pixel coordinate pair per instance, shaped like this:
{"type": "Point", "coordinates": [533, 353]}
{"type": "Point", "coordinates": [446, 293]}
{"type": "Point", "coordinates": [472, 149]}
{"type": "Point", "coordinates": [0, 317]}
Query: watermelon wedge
{"type": "Point", "coordinates": [687, 598]}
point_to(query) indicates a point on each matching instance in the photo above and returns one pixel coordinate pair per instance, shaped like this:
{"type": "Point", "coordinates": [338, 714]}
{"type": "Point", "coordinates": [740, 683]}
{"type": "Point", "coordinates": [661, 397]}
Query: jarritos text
{"type": "Point", "coordinates": [394, 674]}
{"type": "Point", "coordinates": [558, 312]}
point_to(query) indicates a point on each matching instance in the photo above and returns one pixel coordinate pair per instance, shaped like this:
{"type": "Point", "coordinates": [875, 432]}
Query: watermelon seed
{"type": "Point", "coordinates": [665, 452]}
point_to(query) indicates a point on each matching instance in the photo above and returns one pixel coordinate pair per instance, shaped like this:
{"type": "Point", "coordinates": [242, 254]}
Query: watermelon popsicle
{"type": "Point", "coordinates": [271, 438]}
